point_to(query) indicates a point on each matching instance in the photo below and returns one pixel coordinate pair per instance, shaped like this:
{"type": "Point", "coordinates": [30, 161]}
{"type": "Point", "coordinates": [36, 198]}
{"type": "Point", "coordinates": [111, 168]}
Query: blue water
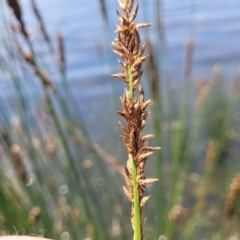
{"type": "Point", "coordinates": [215, 26]}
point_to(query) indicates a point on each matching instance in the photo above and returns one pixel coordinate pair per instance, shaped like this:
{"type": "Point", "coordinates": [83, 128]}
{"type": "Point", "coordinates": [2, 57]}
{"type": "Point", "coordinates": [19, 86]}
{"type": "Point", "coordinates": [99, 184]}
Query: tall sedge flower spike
{"type": "Point", "coordinates": [128, 47]}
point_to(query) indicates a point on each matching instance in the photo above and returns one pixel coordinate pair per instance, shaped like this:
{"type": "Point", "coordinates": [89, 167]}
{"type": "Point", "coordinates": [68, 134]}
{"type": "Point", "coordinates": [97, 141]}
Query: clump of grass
{"type": "Point", "coordinates": [193, 124]}
{"type": "Point", "coordinates": [128, 48]}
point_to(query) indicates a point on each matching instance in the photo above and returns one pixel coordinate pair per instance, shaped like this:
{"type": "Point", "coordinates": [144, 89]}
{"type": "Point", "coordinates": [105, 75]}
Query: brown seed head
{"type": "Point", "coordinates": [46, 80]}
{"type": "Point", "coordinates": [211, 152]}
{"type": "Point", "coordinates": [232, 197]}
{"type": "Point", "coordinates": [40, 20]}
{"type": "Point", "coordinates": [187, 65]}
{"type": "Point", "coordinates": [178, 214]}
{"type": "Point", "coordinates": [18, 163]}
{"type": "Point", "coordinates": [127, 45]}
{"type": "Point", "coordinates": [14, 5]}
{"type": "Point", "coordinates": [203, 92]}
{"type": "Point", "coordinates": [61, 53]}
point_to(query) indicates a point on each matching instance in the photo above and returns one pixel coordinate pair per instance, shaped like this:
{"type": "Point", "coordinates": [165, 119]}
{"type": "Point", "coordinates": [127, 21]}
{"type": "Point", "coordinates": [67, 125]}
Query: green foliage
{"type": "Point", "coordinates": [54, 181]}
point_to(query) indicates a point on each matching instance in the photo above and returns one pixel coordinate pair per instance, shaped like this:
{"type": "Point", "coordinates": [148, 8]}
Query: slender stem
{"type": "Point", "coordinates": [136, 204]}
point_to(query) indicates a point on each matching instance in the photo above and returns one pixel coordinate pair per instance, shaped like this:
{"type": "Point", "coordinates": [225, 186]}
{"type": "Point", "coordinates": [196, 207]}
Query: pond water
{"type": "Point", "coordinates": [215, 26]}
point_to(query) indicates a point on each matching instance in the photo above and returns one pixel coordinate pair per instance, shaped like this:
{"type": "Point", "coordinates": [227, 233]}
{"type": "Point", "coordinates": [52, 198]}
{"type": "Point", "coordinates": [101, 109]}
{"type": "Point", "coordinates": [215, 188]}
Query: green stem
{"type": "Point", "coordinates": [136, 204]}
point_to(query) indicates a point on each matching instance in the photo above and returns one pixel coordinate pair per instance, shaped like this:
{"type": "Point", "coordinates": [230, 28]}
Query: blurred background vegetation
{"type": "Point", "coordinates": [60, 156]}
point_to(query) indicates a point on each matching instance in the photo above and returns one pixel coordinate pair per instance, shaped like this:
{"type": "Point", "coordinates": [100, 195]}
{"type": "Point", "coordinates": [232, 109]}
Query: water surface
{"type": "Point", "coordinates": [215, 26]}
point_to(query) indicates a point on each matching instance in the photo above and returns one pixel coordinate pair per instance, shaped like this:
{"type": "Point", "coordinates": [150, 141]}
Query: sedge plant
{"type": "Point", "coordinates": [128, 47]}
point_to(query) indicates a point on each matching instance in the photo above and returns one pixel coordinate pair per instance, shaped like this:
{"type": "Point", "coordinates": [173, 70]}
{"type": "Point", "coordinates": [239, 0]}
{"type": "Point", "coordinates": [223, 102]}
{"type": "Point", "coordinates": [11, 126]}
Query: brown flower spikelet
{"type": "Point", "coordinates": [61, 53]}
{"type": "Point", "coordinates": [233, 196]}
{"type": "Point", "coordinates": [129, 49]}
{"type": "Point", "coordinates": [15, 6]}
{"type": "Point", "coordinates": [18, 163]}
{"type": "Point", "coordinates": [45, 78]}
{"type": "Point", "coordinates": [40, 20]}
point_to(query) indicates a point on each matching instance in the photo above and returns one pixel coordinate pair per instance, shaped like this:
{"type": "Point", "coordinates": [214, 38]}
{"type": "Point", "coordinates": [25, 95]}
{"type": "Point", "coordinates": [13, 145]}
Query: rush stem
{"type": "Point", "coordinates": [136, 204]}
